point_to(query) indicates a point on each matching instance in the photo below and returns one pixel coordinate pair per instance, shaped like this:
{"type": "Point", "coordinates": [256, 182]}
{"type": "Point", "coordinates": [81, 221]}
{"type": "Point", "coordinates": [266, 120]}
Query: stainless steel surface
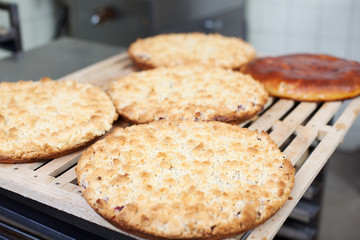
{"type": "Point", "coordinates": [120, 22]}
{"type": "Point", "coordinates": [54, 60]}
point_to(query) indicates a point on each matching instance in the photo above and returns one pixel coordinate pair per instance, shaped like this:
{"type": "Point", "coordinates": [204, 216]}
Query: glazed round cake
{"type": "Point", "coordinates": [188, 93]}
{"type": "Point", "coordinates": [212, 50]}
{"type": "Point", "coordinates": [41, 120]}
{"type": "Point", "coordinates": [307, 77]}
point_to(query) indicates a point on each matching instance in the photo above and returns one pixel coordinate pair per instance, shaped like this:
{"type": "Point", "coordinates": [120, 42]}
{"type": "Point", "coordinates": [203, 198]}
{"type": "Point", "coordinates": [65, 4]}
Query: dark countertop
{"type": "Point", "coordinates": [55, 59]}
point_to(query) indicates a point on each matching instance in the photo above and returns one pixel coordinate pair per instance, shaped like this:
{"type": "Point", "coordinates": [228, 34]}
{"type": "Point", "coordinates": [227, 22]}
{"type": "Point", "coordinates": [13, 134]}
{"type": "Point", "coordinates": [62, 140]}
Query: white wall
{"type": "Point", "coordinates": [315, 26]}
{"type": "Point", "coordinates": [37, 22]}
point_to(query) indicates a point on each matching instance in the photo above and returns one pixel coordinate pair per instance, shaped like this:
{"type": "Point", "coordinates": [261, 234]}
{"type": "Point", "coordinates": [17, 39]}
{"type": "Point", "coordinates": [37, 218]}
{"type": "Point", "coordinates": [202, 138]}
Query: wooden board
{"type": "Point", "coordinates": [294, 126]}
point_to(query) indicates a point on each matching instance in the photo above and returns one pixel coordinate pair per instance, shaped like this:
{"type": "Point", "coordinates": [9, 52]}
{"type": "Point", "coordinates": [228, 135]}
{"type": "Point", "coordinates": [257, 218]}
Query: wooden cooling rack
{"type": "Point", "coordinates": [307, 132]}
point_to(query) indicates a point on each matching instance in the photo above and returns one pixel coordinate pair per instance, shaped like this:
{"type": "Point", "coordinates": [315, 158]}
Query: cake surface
{"type": "Point", "coordinates": [185, 179]}
{"type": "Point", "coordinates": [307, 77]}
{"type": "Point", "coordinates": [40, 120]}
{"type": "Point", "coordinates": [188, 93]}
{"type": "Point", "coordinates": [212, 50]}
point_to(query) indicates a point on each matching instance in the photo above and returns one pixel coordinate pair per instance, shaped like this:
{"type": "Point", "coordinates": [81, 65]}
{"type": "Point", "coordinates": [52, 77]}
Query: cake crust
{"type": "Point", "coordinates": [212, 50]}
{"type": "Point", "coordinates": [185, 179]}
{"type": "Point", "coordinates": [41, 120]}
{"type": "Point", "coordinates": [307, 77]}
{"type": "Point", "coordinates": [188, 93]}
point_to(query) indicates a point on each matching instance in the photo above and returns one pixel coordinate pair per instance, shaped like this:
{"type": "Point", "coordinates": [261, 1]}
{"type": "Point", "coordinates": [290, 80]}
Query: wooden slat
{"type": "Point", "coordinates": [80, 75]}
{"type": "Point", "coordinates": [58, 165]}
{"type": "Point", "coordinates": [55, 197]}
{"type": "Point", "coordinates": [77, 190]}
{"type": "Point", "coordinates": [283, 129]}
{"type": "Point", "coordinates": [107, 72]}
{"type": "Point", "coordinates": [307, 173]}
{"type": "Point", "coordinates": [36, 165]}
{"type": "Point", "coordinates": [9, 166]}
{"type": "Point", "coordinates": [272, 115]}
{"type": "Point", "coordinates": [47, 172]}
{"type": "Point", "coordinates": [64, 178]}
{"type": "Point", "coordinates": [268, 103]}
{"type": "Point", "coordinates": [348, 117]}
{"type": "Point", "coordinates": [105, 81]}
{"type": "Point", "coordinates": [304, 178]}
{"type": "Point", "coordinates": [21, 166]}
{"type": "Point", "coordinates": [23, 169]}
{"type": "Point", "coordinates": [304, 137]}
{"type": "Point", "coordinates": [69, 187]}
{"type": "Point", "coordinates": [103, 73]}
{"type": "Point", "coordinates": [324, 114]}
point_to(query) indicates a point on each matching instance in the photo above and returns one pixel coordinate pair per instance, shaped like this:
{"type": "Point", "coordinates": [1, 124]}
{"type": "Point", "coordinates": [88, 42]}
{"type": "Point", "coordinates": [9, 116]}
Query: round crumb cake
{"type": "Point", "coordinates": [185, 179]}
{"type": "Point", "coordinates": [41, 120]}
{"type": "Point", "coordinates": [212, 50]}
{"type": "Point", "coordinates": [188, 93]}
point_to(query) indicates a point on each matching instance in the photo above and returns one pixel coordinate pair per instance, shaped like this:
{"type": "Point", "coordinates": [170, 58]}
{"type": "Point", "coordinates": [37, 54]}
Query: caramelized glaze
{"type": "Point", "coordinates": [306, 76]}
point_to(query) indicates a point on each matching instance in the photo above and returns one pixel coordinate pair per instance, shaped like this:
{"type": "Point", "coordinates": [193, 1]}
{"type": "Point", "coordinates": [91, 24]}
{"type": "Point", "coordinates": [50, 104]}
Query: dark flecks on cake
{"type": "Point", "coordinates": [83, 185]}
{"type": "Point", "coordinates": [144, 57]}
{"type": "Point", "coordinates": [240, 107]}
{"type": "Point", "coordinates": [119, 208]}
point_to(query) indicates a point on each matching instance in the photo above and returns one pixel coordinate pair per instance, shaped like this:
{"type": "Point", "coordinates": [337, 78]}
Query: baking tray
{"type": "Point", "coordinates": [307, 132]}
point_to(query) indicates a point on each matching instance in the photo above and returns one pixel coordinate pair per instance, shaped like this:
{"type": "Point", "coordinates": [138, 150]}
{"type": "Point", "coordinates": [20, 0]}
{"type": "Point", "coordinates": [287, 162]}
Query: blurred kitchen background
{"type": "Point", "coordinates": [273, 27]}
